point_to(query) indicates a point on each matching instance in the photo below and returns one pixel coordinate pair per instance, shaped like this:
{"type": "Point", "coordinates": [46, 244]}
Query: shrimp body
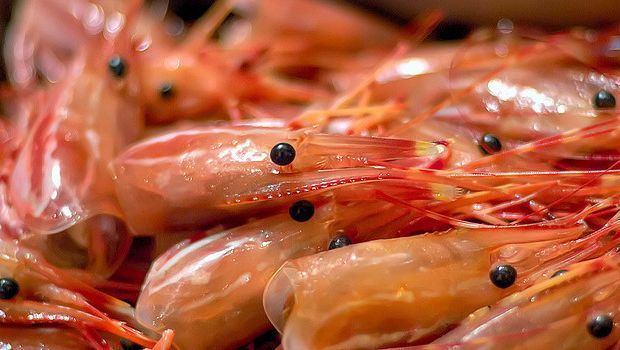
{"type": "Point", "coordinates": [400, 290]}
{"type": "Point", "coordinates": [551, 314]}
{"type": "Point", "coordinates": [60, 175]}
{"type": "Point", "coordinates": [60, 178]}
{"type": "Point", "coordinates": [548, 93]}
{"type": "Point", "coordinates": [11, 226]}
{"type": "Point", "coordinates": [515, 88]}
{"type": "Point", "coordinates": [535, 100]}
{"type": "Point", "coordinates": [200, 76]}
{"type": "Point", "coordinates": [174, 84]}
{"type": "Point", "coordinates": [210, 290]}
{"type": "Point", "coordinates": [192, 178]}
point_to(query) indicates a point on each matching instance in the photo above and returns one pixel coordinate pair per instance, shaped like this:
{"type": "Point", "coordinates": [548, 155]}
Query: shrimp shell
{"type": "Point", "coordinates": [550, 314]}
{"type": "Point", "coordinates": [193, 178]}
{"type": "Point", "coordinates": [400, 290]}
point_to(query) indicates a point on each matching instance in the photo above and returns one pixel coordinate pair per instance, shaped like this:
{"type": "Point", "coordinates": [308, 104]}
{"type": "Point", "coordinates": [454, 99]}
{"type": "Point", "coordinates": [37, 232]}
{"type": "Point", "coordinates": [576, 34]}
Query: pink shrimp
{"type": "Point", "coordinates": [60, 177]}
{"type": "Point", "coordinates": [41, 294]}
{"type": "Point", "coordinates": [491, 85]}
{"type": "Point", "coordinates": [546, 92]}
{"type": "Point", "coordinates": [405, 290]}
{"type": "Point", "coordinates": [554, 121]}
{"type": "Point", "coordinates": [201, 76]}
{"type": "Point", "coordinates": [46, 45]}
{"type": "Point", "coordinates": [73, 124]}
{"type": "Point", "coordinates": [200, 176]}
{"type": "Point", "coordinates": [574, 310]}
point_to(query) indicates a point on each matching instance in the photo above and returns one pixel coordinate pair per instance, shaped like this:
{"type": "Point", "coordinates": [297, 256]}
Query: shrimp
{"type": "Point", "coordinates": [554, 121]}
{"type": "Point", "coordinates": [210, 289]}
{"type": "Point", "coordinates": [46, 45]}
{"type": "Point", "coordinates": [513, 87]}
{"type": "Point", "coordinates": [558, 313]}
{"type": "Point", "coordinates": [60, 176]}
{"type": "Point", "coordinates": [533, 99]}
{"type": "Point", "coordinates": [36, 293]}
{"type": "Point", "coordinates": [73, 125]}
{"type": "Point", "coordinates": [406, 290]}
{"type": "Point", "coordinates": [193, 178]}
{"type": "Point", "coordinates": [198, 76]}
{"type": "Point", "coordinates": [540, 95]}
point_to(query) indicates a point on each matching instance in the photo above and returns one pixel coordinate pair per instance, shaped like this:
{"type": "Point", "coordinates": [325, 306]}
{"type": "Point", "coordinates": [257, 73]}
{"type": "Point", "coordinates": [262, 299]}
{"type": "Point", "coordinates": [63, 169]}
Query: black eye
{"type": "Point", "coordinates": [559, 273]}
{"type": "Point", "coordinates": [8, 288]}
{"type": "Point", "coordinates": [301, 211]}
{"type": "Point", "coordinates": [282, 154]}
{"type": "Point", "coordinates": [117, 66]}
{"type": "Point", "coordinates": [490, 144]}
{"type": "Point", "coordinates": [601, 326]}
{"type": "Point", "coordinates": [129, 345]}
{"type": "Point", "coordinates": [166, 91]}
{"type": "Point", "coordinates": [604, 99]}
{"type": "Point", "coordinates": [503, 276]}
{"type": "Point", "coordinates": [339, 242]}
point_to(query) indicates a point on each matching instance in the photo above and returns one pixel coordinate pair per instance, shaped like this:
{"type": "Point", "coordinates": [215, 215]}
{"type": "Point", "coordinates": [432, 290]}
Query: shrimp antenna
{"type": "Point", "coordinates": [206, 26]}
{"type": "Point", "coordinates": [562, 138]}
{"type": "Point", "coordinates": [564, 198]}
{"type": "Point", "coordinates": [422, 27]}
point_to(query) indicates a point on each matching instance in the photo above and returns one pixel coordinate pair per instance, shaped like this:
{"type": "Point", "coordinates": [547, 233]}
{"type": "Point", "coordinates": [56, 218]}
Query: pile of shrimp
{"type": "Point", "coordinates": [303, 175]}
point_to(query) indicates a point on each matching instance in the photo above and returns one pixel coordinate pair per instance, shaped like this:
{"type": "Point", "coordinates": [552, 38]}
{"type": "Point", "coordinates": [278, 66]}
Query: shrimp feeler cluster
{"type": "Point", "coordinates": [303, 175]}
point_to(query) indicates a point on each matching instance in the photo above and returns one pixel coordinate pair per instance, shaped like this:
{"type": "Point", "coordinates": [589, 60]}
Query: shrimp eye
{"type": "Point", "coordinates": [129, 345]}
{"type": "Point", "coordinates": [8, 288]}
{"type": "Point", "coordinates": [490, 144]}
{"type": "Point", "coordinates": [282, 154]}
{"type": "Point", "coordinates": [559, 273]}
{"type": "Point", "coordinates": [117, 66]}
{"type": "Point", "coordinates": [301, 211]}
{"type": "Point", "coordinates": [503, 276]}
{"type": "Point", "coordinates": [166, 91]}
{"type": "Point", "coordinates": [600, 326]}
{"type": "Point", "coordinates": [339, 242]}
{"type": "Point", "coordinates": [604, 99]}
